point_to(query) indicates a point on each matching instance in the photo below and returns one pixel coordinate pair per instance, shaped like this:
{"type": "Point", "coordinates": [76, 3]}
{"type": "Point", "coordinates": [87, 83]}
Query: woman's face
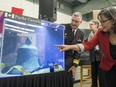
{"type": "Point", "coordinates": [92, 26]}
{"type": "Point", "coordinates": [106, 24]}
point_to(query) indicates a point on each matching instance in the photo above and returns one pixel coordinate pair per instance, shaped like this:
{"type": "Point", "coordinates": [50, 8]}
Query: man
{"type": "Point", "coordinates": [95, 54]}
{"type": "Point", "coordinates": [73, 35]}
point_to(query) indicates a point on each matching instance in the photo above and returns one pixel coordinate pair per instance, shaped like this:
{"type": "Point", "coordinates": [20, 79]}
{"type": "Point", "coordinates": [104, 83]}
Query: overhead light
{"type": "Point", "coordinates": [12, 26]}
{"type": "Point", "coordinates": [22, 23]}
{"type": "Point", "coordinates": [83, 1]}
{"type": "Point", "coordinates": [115, 7]}
{"type": "Point", "coordinates": [31, 25]}
{"type": "Point", "coordinates": [15, 30]}
{"type": "Point", "coordinates": [18, 22]}
{"type": "Point", "coordinates": [19, 28]}
{"type": "Point", "coordinates": [25, 29]}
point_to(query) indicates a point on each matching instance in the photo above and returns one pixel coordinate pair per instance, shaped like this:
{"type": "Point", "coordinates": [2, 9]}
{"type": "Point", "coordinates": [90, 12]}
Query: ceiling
{"type": "Point", "coordinates": [71, 2]}
{"type": "Point", "coordinates": [76, 2]}
{"type": "Point", "coordinates": [65, 4]}
{"type": "Point", "coordinates": [83, 6]}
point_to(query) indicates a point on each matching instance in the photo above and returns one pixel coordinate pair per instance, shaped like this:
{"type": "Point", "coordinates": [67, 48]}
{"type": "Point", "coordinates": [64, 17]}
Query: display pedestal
{"type": "Point", "coordinates": [55, 79]}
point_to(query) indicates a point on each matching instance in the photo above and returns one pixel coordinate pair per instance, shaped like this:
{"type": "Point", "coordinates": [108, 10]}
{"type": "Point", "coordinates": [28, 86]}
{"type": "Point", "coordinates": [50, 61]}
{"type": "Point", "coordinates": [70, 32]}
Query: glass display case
{"type": "Point", "coordinates": [27, 45]}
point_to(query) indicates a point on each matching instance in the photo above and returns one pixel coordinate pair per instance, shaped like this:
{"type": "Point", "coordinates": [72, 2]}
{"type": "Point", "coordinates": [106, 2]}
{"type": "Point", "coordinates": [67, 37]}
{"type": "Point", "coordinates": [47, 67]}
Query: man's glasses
{"type": "Point", "coordinates": [103, 21]}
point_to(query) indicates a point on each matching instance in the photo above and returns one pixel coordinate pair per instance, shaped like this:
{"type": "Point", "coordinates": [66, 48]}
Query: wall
{"type": "Point", "coordinates": [84, 25]}
{"type": "Point", "coordinates": [30, 9]}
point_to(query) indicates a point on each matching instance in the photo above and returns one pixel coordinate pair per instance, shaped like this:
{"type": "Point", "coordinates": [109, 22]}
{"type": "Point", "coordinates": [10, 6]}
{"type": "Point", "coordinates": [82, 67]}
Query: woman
{"type": "Point", "coordinates": [95, 54]}
{"type": "Point", "coordinates": [106, 38]}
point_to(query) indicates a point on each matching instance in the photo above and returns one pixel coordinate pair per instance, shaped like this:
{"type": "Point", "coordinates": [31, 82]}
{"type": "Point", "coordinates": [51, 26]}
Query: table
{"type": "Point", "coordinates": [54, 79]}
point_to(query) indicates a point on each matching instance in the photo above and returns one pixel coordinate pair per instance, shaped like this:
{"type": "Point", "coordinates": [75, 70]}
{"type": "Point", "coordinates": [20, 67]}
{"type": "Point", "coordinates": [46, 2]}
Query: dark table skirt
{"type": "Point", "coordinates": [56, 79]}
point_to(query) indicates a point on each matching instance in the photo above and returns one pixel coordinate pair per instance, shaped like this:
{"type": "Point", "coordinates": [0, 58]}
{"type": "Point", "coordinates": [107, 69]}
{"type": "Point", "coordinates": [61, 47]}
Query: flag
{"type": "Point", "coordinates": [16, 10]}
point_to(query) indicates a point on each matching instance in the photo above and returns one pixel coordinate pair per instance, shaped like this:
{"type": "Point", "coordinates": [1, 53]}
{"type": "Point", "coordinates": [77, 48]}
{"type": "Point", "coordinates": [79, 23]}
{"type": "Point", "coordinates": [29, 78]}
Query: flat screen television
{"type": "Point", "coordinates": [28, 46]}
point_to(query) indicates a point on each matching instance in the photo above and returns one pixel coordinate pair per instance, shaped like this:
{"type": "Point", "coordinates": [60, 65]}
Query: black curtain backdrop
{"type": "Point", "coordinates": [55, 79]}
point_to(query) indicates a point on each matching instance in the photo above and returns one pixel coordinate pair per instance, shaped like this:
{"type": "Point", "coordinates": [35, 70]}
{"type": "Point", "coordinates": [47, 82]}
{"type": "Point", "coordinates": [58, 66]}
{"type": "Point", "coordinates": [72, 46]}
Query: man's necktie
{"type": "Point", "coordinates": [73, 32]}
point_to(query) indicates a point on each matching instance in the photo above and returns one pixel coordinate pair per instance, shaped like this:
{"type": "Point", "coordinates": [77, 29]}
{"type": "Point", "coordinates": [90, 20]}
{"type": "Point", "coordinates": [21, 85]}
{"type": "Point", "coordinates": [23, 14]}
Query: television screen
{"type": "Point", "coordinates": [29, 48]}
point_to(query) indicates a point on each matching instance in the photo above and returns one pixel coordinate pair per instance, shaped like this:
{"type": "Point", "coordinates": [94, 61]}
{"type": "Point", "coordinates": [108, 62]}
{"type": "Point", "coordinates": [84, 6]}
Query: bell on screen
{"type": "Point", "coordinates": [28, 48]}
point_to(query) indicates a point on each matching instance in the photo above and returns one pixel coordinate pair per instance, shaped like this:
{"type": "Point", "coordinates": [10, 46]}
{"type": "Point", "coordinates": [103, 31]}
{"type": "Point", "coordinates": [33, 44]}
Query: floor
{"type": "Point", "coordinates": [84, 85]}
{"type": "Point", "coordinates": [87, 81]}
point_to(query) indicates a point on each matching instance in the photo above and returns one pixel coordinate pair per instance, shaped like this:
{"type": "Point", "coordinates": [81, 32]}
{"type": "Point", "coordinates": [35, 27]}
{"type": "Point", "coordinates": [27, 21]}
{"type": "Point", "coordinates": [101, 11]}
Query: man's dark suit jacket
{"type": "Point", "coordinates": [70, 39]}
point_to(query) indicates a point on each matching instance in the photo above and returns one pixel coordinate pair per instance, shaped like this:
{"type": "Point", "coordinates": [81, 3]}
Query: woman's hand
{"type": "Point", "coordinates": [68, 47]}
{"type": "Point", "coordinates": [63, 47]}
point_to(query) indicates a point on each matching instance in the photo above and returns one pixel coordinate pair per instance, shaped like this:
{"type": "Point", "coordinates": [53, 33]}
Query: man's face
{"type": "Point", "coordinates": [75, 22]}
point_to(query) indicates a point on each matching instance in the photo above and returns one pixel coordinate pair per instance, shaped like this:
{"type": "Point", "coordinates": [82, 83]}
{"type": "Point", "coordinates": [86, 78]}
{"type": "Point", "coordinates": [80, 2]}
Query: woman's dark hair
{"type": "Point", "coordinates": [109, 13]}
